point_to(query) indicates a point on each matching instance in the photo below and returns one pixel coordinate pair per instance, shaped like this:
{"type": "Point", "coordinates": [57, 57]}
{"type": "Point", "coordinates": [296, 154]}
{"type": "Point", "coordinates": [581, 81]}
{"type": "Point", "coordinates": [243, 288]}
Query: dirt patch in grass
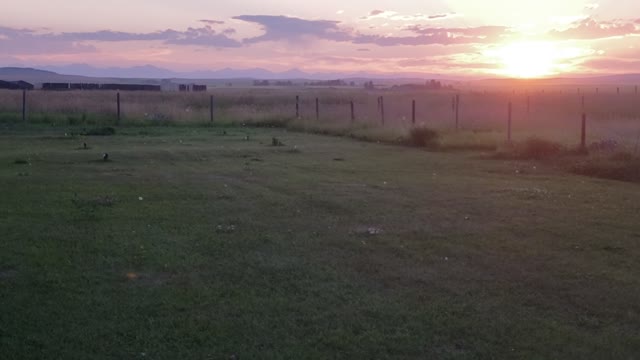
{"type": "Point", "coordinates": [100, 201]}
{"type": "Point", "coordinates": [148, 278]}
{"type": "Point", "coordinates": [100, 131]}
{"type": "Point", "coordinates": [6, 274]}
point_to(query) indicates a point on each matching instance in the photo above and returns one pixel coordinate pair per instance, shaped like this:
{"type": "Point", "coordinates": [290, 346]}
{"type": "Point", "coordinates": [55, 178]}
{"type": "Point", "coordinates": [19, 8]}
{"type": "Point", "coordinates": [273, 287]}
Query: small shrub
{"type": "Point", "coordinates": [73, 120]}
{"type": "Point", "coordinates": [424, 137]}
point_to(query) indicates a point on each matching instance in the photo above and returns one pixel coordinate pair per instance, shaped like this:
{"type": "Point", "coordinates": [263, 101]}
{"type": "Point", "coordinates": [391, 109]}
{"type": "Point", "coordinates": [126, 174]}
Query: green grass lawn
{"type": "Point", "coordinates": [190, 244]}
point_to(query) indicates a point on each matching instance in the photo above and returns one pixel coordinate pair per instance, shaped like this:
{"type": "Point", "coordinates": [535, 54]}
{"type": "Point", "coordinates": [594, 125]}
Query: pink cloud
{"type": "Point", "coordinates": [592, 29]}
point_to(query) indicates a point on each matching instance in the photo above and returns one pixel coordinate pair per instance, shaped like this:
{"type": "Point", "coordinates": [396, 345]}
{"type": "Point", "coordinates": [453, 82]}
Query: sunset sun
{"type": "Point", "coordinates": [527, 59]}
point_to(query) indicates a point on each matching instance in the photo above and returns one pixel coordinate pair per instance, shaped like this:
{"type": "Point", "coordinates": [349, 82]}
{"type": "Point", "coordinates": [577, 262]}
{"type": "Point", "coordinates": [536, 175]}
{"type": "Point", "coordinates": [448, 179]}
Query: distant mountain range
{"type": "Point", "coordinates": [150, 74]}
{"type": "Point", "coordinates": [154, 72]}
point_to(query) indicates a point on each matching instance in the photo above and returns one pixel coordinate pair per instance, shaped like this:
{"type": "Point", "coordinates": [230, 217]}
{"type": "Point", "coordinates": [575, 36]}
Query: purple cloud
{"type": "Point", "coordinates": [291, 29]}
{"type": "Point", "coordinates": [211, 22]}
{"type": "Point", "coordinates": [278, 28]}
{"type": "Point", "coordinates": [27, 41]}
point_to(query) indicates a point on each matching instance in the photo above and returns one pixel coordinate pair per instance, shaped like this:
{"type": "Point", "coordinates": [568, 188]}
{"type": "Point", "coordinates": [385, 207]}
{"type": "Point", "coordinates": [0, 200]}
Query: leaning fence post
{"type": "Point", "coordinates": [353, 112]}
{"type": "Point", "coordinates": [297, 106]}
{"type": "Point", "coordinates": [24, 105]}
{"type": "Point", "coordinates": [583, 134]}
{"type": "Point", "coordinates": [317, 109]}
{"type": "Point", "coordinates": [211, 108]}
{"type": "Point", "coordinates": [118, 101]}
{"type": "Point", "coordinates": [413, 112]}
{"type": "Point", "coordinates": [509, 123]}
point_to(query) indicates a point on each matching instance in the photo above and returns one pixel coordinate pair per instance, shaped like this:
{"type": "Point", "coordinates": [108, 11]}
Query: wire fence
{"type": "Point", "coordinates": [554, 115]}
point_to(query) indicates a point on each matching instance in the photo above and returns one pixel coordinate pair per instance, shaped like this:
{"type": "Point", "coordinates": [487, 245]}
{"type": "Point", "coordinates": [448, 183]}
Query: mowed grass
{"type": "Point", "coordinates": [193, 244]}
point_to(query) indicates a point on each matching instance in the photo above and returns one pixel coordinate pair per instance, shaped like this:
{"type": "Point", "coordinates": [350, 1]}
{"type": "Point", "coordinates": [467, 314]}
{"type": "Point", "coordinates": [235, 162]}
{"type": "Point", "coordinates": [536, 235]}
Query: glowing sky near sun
{"type": "Point", "coordinates": [463, 37]}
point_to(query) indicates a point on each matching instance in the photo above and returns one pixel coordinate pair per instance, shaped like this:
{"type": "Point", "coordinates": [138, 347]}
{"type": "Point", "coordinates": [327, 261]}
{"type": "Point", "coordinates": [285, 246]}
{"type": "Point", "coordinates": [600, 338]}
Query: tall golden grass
{"type": "Point", "coordinates": [553, 115]}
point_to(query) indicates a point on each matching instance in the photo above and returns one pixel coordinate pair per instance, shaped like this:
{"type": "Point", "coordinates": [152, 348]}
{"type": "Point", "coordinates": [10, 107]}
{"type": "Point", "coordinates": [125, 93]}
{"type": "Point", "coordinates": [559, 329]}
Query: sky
{"type": "Point", "coordinates": [514, 38]}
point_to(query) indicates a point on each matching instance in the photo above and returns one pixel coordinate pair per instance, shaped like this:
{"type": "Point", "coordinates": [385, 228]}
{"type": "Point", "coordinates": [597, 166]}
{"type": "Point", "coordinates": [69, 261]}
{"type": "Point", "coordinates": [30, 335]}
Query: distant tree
{"type": "Point", "coordinates": [435, 85]}
{"type": "Point", "coordinates": [261, 83]}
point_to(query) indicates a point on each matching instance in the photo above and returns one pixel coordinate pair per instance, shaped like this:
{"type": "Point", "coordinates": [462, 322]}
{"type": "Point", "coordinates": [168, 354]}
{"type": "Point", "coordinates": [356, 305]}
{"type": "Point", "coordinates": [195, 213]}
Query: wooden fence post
{"type": "Point", "coordinates": [509, 124]}
{"type": "Point", "coordinates": [457, 111]}
{"type": "Point", "coordinates": [382, 109]}
{"type": "Point", "coordinates": [118, 101]}
{"type": "Point", "coordinates": [413, 112]}
{"type": "Point", "coordinates": [318, 109]}
{"type": "Point", "coordinates": [24, 105]}
{"type": "Point", "coordinates": [583, 133]}
{"type": "Point", "coordinates": [353, 112]}
{"type": "Point", "coordinates": [211, 108]}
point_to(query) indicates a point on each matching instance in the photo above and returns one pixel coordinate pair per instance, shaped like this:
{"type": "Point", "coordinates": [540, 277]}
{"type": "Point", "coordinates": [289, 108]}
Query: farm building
{"type": "Point", "coordinates": [130, 87]}
{"type": "Point", "coordinates": [55, 86]}
{"type": "Point", "coordinates": [192, 87]}
{"type": "Point", "coordinates": [15, 85]}
{"type": "Point", "coordinates": [78, 86]}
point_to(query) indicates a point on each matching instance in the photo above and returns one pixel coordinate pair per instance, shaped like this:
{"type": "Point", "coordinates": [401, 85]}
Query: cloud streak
{"type": "Point", "coordinates": [28, 41]}
{"type": "Point", "coordinates": [395, 16]}
{"type": "Point", "coordinates": [277, 28]}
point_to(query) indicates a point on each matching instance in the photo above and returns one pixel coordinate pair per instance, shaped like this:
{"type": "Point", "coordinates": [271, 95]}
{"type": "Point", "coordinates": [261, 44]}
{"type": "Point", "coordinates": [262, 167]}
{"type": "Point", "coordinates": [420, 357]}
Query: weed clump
{"type": "Point", "coordinates": [424, 137]}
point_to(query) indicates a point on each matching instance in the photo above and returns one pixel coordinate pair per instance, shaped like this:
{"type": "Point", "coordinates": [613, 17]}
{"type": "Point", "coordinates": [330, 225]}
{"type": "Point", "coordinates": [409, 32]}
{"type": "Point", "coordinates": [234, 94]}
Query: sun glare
{"type": "Point", "coordinates": [527, 59]}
